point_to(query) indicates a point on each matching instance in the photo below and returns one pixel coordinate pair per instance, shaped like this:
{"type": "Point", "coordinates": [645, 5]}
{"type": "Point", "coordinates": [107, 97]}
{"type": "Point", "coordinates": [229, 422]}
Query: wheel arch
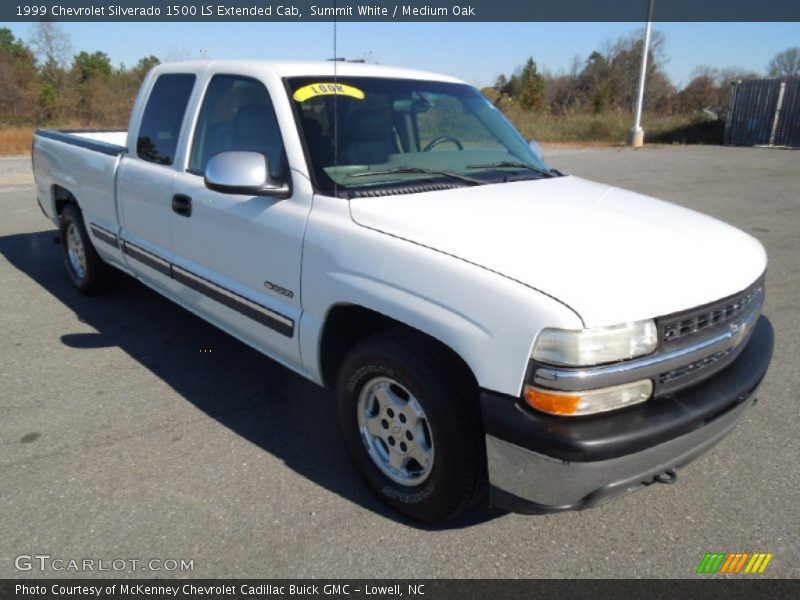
{"type": "Point", "coordinates": [60, 197]}
{"type": "Point", "coordinates": [348, 324]}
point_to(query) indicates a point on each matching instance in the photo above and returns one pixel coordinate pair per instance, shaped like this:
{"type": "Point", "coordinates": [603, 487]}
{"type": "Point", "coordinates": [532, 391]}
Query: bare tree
{"type": "Point", "coordinates": [569, 99]}
{"type": "Point", "coordinates": [785, 64]}
{"type": "Point", "coordinates": [52, 47]}
{"type": "Point", "coordinates": [51, 44]}
{"type": "Point", "coordinates": [706, 71]}
{"type": "Point", "coordinates": [728, 75]}
{"type": "Point", "coordinates": [610, 77]}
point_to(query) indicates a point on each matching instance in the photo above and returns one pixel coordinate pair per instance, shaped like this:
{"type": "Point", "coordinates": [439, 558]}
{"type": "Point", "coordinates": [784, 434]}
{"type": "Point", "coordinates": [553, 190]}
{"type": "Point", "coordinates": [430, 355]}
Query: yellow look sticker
{"type": "Point", "coordinates": [327, 89]}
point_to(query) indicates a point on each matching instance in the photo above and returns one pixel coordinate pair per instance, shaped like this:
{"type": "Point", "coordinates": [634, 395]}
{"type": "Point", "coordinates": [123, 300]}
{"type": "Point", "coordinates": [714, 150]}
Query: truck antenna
{"type": "Point", "coordinates": [335, 105]}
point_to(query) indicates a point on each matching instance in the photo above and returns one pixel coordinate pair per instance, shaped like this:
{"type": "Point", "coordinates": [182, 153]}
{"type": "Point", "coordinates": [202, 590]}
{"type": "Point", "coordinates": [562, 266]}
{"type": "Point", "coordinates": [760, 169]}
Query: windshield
{"type": "Point", "coordinates": [406, 133]}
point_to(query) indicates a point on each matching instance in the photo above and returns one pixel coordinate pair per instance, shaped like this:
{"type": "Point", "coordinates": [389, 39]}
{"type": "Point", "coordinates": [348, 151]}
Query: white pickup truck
{"type": "Point", "coordinates": [489, 324]}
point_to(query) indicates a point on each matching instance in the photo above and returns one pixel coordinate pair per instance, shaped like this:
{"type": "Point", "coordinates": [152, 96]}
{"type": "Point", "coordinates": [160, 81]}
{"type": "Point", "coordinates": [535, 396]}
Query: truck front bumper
{"type": "Point", "coordinates": [540, 463]}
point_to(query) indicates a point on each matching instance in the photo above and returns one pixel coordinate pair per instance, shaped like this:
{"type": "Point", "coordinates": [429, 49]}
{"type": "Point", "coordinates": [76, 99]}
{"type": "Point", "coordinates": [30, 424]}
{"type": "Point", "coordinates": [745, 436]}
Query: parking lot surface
{"type": "Point", "coordinates": [131, 429]}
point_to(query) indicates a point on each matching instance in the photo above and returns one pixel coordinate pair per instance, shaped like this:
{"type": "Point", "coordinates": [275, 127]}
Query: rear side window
{"type": "Point", "coordinates": [163, 115]}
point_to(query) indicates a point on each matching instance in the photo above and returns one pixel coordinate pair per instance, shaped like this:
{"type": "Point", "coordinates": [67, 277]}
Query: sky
{"type": "Point", "coordinates": [474, 52]}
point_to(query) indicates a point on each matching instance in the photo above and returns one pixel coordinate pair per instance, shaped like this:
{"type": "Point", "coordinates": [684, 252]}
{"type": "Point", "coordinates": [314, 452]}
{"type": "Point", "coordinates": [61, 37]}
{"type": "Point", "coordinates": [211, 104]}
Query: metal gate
{"type": "Point", "coordinates": [764, 112]}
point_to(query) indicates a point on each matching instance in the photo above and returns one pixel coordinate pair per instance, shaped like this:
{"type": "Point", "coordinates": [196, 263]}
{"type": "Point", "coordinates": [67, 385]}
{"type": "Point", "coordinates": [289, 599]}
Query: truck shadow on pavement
{"type": "Point", "coordinates": [258, 399]}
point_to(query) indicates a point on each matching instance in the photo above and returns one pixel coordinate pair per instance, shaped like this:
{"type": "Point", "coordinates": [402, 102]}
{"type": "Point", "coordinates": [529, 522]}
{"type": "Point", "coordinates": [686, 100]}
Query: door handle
{"type": "Point", "coordinates": [182, 205]}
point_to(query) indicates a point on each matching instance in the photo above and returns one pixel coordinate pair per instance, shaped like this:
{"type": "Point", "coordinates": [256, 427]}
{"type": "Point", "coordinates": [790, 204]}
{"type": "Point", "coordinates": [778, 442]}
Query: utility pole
{"type": "Point", "coordinates": [636, 137]}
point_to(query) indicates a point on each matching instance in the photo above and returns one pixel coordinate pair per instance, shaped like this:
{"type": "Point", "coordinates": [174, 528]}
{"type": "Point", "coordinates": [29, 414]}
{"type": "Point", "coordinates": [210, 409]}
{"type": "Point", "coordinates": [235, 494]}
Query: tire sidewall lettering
{"type": "Point", "coordinates": [360, 374]}
{"type": "Point", "coordinates": [405, 497]}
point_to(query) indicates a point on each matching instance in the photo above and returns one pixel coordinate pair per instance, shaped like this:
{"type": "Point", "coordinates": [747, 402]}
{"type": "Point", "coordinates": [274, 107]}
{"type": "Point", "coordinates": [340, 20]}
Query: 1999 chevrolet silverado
{"type": "Point", "coordinates": [490, 325]}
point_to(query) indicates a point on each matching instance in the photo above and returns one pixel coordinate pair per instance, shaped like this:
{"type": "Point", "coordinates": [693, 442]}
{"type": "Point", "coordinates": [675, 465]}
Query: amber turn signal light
{"type": "Point", "coordinates": [555, 404]}
{"type": "Point", "coordinates": [588, 402]}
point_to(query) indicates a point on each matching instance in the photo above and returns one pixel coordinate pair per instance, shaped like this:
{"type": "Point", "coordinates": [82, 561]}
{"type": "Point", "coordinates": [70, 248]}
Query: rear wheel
{"type": "Point", "coordinates": [411, 420]}
{"type": "Point", "coordinates": [85, 268]}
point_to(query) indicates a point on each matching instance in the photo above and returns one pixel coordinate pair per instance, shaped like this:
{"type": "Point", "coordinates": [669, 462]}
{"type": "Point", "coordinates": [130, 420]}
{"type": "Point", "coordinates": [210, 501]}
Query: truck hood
{"type": "Point", "coordinates": [611, 255]}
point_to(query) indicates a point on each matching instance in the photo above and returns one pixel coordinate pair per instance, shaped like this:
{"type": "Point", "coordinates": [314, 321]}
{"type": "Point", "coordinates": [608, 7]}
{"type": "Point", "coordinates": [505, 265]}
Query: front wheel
{"type": "Point", "coordinates": [411, 420]}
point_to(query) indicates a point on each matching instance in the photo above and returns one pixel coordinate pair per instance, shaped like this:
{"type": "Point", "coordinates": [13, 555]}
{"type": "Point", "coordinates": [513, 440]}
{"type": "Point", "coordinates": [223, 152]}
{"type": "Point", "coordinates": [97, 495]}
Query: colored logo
{"type": "Point", "coordinates": [736, 562]}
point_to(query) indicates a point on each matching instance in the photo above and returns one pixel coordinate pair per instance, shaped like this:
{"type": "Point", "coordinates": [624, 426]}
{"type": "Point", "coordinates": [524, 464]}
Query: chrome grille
{"type": "Point", "coordinates": [692, 368]}
{"type": "Point", "coordinates": [704, 341]}
{"type": "Point", "coordinates": [696, 326]}
{"type": "Point", "coordinates": [677, 328]}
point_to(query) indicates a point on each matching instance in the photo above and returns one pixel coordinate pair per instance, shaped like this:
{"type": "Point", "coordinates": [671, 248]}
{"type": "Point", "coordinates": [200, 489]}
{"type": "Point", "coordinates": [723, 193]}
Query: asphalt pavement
{"type": "Point", "coordinates": [130, 429]}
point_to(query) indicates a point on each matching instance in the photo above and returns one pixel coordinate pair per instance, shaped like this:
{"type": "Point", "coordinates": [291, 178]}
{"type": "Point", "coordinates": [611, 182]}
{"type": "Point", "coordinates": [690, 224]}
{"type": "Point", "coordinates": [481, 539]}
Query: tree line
{"type": "Point", "coordinates": [42, 81]}
{"type": "Point", "coordinates": [607, 81]}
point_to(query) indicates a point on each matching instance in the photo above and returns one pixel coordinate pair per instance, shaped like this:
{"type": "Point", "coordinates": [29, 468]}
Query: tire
{"type": "Point", "coordinates": [87, 271]}
{"type": "Point", "coordinates": [411, 420]}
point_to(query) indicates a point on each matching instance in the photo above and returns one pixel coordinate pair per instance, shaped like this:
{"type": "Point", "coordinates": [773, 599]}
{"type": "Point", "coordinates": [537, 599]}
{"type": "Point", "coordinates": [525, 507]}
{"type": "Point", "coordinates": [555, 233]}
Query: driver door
{"type": "Point", "coordinates": [239, 256]}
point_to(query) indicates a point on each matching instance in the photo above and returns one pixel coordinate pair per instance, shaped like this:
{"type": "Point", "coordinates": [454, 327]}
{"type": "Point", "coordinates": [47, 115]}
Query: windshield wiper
{"type": "Point", "coordinates": [421, 170]}
{"type": "Point", "coordinates": [510, 164]}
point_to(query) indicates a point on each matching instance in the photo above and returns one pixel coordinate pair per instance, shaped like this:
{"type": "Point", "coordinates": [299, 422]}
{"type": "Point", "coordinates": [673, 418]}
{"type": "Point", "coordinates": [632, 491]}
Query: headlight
{"type": "Point", "coordinates": [585, 347]}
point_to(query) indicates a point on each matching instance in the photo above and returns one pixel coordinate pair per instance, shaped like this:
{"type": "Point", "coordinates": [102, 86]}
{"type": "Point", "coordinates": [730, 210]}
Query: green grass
{"type": "Point", "coordinates": [610, 128]}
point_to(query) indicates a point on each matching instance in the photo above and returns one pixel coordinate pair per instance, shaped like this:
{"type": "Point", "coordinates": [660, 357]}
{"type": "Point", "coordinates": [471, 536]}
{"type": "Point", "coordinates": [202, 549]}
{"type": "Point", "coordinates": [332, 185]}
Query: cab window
{"type": "Point", "coordinates": [163, 116]}
{"type": "Point", "coordinates": [237, 115]}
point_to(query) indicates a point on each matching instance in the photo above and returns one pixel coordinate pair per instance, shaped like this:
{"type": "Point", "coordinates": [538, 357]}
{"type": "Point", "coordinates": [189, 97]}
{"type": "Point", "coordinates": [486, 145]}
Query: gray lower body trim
{"type": "Point", "coordinates": [104, 235]}
{"type": "Point", "coordinates": [248, 308]}
{"type": "Point", "coordinates": [551, 485]}
{"type": "Point", "coordinates": [147, 258]}
{"type": "Point", "coordinates": [242, 305]}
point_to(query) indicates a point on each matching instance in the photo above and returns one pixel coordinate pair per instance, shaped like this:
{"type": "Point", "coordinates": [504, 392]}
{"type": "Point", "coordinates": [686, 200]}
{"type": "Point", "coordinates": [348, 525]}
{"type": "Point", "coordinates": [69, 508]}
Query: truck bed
{"type": "Point", "coordinates": [80, 163]}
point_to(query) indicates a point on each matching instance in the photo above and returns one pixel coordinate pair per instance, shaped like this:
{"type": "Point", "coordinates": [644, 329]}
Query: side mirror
{"type": "Point", "coordinates": [243, 173]}
{"type": "Point", "coordinates": [537, 150]}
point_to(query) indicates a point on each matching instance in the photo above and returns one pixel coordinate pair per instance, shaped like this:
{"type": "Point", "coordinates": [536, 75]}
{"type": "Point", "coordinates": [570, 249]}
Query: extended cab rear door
{"type": "Point", "coordinates": [238, 255]}
{"type": "Point", "coordinates": [146, 178]}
